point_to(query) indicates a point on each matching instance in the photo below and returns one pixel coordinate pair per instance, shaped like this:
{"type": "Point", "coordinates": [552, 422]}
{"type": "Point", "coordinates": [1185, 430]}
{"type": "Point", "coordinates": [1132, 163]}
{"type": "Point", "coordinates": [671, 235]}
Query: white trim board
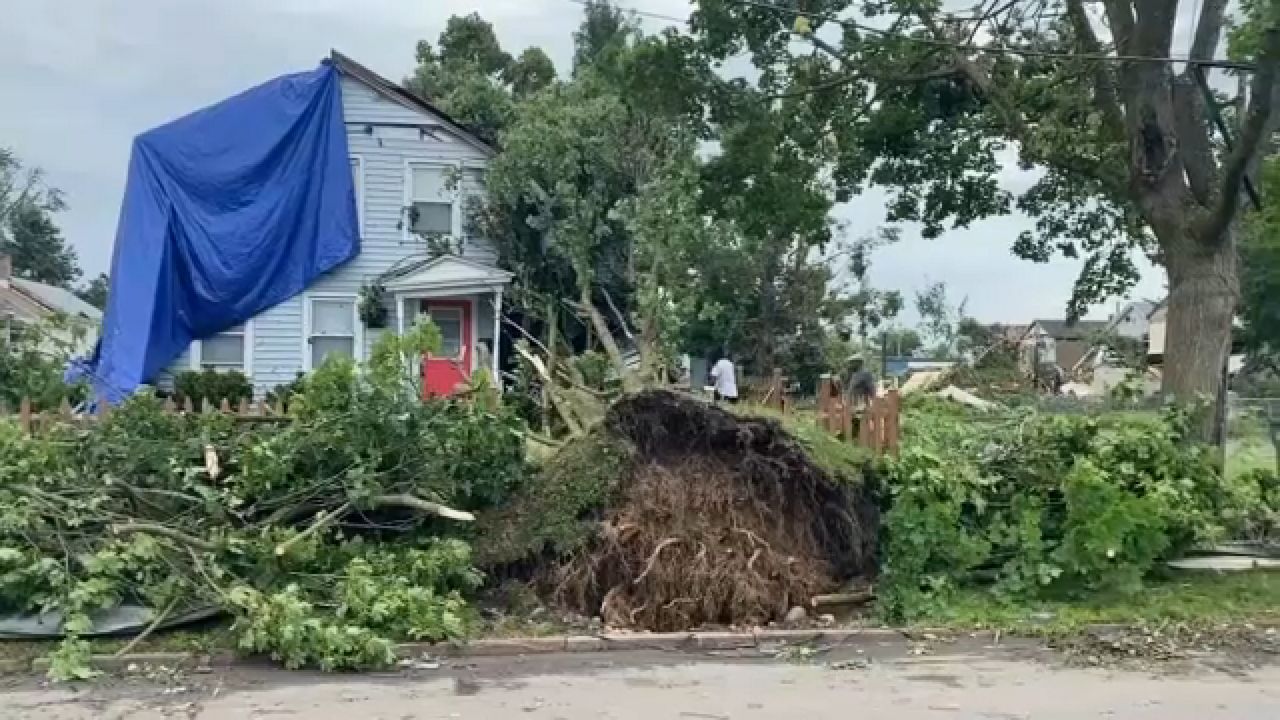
{"type": "Point", "coordinates": [359, 190]}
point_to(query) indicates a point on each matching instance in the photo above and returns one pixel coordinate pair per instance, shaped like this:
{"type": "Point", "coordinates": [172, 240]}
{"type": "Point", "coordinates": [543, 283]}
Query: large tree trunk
{"type": "Point", "coordinates": [1203, 288]}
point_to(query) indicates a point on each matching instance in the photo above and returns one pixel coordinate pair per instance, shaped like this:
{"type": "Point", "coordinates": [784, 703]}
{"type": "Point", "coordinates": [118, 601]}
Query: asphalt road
{"type": "Point", "coordinates": [881, 682]}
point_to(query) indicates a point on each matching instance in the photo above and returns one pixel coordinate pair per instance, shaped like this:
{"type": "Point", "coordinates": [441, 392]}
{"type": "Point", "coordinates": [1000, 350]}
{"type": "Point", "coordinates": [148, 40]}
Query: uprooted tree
{"type": "Point", "coordinates": [924, 100]}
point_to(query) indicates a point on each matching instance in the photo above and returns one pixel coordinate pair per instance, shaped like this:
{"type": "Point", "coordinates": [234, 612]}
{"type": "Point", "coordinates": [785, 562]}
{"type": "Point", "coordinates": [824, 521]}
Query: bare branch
{"type": "Point", "coordinates": [146, 632]}
{"type": "Point", "coordinates": [1014, 121]}
{"type": "Point", "coordinates": [321, 523]}
{"type": "Point", "coordinates": [1263, 97]}
{"type": "Point", "coordinates": [424, 506]}
{"type": "Point", "coordinates": [1190, 113]}
{"type": "Point", "coordinates": [126, 529]}
{"type": "Point", "coordinates": [1194, 148]}
{"type": "Point", "coordinates": [1104, 82]}
{"type": "Point", "coordinates": [605, 335]}
{"type": "Point", "coordinates": [1153, 36]}
{"type": "Point", "coordinates": [1120, 19]}
{"type": "Point", "coordinates": [1208, 30]}
{"type": "Point", "coordinates": [549, 388]}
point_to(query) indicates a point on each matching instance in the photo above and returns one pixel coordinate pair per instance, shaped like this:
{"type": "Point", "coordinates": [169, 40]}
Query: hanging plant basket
{"type": "Point", "coordinates": [373, 306]}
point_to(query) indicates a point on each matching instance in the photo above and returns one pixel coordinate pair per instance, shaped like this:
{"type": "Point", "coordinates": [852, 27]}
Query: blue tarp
{"type": "Point", "coordinates": [227, 212]}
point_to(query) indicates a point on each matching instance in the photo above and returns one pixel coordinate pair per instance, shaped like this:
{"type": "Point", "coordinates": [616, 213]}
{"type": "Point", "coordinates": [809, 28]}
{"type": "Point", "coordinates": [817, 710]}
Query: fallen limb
{"type": "Point", "coordinates": [146, 632]}
{"type": "Point", "coordinates": [425, 506]}
{"type": "Point", "coordinates": [126, 529]}
{"type": "Point", "coordinates": [862, 597]}
{"type": "Point", "coordinates": [548, 387]}
{"type": "Point", "coordinates": [321, 523]}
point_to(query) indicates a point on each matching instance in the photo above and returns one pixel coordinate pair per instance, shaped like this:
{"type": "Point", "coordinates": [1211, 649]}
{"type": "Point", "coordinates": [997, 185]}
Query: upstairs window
{"type": "Point", "coordinates": [432, 201]}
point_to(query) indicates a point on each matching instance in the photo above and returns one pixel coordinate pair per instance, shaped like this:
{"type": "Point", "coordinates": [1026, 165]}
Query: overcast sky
{"type": "Point", "coordinates": [80, 78]}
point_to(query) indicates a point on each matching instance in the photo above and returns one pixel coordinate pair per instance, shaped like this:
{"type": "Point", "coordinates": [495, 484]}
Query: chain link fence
{"type": "Point", "coordinates": [1253, 434]}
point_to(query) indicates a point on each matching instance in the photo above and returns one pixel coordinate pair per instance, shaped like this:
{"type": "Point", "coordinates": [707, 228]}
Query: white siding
{"type": "Point", "coordinates": [384, 151]}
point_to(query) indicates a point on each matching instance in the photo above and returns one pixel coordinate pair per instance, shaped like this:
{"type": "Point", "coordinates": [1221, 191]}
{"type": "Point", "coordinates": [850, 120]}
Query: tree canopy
{"type": "Point", "coordinates": [38, 249]}
{"type": "Point", "coordinates": [930, 102]}
{"type": "Point", "coordinates": [29, 235]}
{"type": "Point", "coordinates": [604, 193]}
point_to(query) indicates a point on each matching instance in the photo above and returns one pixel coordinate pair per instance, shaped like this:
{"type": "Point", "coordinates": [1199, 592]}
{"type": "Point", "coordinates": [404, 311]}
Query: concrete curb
{"type": "Point", "coordinates": [513, 647]}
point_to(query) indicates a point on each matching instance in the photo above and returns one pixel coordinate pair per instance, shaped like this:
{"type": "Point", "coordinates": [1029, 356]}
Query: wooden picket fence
{"type": "Point", "coordinates": [32, 418]}
{"type": "Point", "coordinates": [875, 427]}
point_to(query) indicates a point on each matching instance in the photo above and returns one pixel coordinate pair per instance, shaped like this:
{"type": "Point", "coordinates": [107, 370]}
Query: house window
{"type": "Point", "coordinates": [432, 200]}
{"type": "Point", "coordinates": [332, 329]}
{"type": "Point", "coordinates": [225, 351]}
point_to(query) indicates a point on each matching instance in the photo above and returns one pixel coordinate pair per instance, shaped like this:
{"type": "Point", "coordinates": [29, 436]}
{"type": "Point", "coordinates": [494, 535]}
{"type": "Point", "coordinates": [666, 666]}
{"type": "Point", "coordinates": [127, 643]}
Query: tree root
{"type": "Point", "coordinates": [648, 568]}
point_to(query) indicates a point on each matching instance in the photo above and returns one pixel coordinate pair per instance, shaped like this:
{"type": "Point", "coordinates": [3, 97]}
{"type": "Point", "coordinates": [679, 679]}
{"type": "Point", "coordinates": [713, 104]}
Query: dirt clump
{"type": "Point", "coordinates": [711, 519]}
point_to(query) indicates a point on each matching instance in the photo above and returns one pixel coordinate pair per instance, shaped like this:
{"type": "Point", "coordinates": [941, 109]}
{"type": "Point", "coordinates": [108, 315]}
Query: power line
{"type": "Point", "coordinates": [1025, 52]}
{"type": "Point", "coordinates": [637, 11]}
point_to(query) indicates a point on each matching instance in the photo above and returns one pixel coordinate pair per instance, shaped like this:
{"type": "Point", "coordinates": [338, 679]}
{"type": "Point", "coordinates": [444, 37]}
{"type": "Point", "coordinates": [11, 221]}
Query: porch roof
{"type": "Point", "coordinates": [449, 273]}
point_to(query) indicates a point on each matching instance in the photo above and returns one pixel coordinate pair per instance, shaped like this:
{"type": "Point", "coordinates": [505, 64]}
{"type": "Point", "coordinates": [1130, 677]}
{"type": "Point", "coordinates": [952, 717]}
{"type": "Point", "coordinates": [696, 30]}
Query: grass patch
{"type": "Point", "coordinates": [831, 453]}
{"type": "Point", "coordinates": [16, 656]}
{"type": "Point", "coordinates": [1184, 598]}
{"type": "Point", "coordinates": [1248, 454]}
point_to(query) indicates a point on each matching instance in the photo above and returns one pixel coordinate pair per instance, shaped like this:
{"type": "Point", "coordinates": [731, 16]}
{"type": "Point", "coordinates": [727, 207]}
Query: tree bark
{"type": "Point", "coordinates": [1203, 290]}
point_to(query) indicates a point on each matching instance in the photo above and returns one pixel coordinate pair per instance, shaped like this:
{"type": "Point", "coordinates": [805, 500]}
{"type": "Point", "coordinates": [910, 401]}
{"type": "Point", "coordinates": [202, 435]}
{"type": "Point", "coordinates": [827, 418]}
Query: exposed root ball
{"type": "Point", "coordinates": [721, 520]}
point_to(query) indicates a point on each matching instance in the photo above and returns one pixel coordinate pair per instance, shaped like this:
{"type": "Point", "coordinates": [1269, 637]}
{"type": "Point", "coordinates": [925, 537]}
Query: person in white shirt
{"type": "Point", "coordinates": [724, 380]}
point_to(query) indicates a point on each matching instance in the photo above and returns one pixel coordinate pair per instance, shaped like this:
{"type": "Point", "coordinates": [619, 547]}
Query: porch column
{"type": "Point", "coordinates": [399, 314]}
{"type": "Point", "coordinates": [497, 338]}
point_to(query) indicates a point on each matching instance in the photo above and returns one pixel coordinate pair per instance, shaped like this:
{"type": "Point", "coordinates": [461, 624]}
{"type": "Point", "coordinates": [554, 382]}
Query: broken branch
{"type": "Point", "coordinates": [126, 529]}
{"type": "Point", "coordinates": [424, 506]}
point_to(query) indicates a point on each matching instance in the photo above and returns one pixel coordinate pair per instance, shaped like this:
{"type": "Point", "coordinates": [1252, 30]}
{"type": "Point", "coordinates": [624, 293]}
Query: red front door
{"type": "Point", "coordinates": [443, 372]}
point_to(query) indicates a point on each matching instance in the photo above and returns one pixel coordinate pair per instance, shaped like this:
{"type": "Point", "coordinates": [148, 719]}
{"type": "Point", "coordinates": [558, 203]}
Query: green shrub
{"type": "Point", "coordinates": [32, 362]}
{"type": "Point", "coordinates": [212, 386]}
{"type": "Point", "coordinates": [1035, 505]}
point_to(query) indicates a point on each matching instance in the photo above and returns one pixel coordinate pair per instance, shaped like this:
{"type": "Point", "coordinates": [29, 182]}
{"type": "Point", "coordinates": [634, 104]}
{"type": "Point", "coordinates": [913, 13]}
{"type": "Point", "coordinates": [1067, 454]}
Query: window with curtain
{"type": "Point", "coordinates": [333, 329]}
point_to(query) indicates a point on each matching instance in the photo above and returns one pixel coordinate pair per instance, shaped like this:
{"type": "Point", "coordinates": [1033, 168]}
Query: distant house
{"type": "Point", "coordinates": [903, 366]}
{"type": "Point", "coordinates": [26, 302]}
{"type": "Point", "coordinates": [1107, 364]}
{"type": "Point", "coordinates": [1132, 319]}
{"type": "Point", "coordinates": [1058, 342]}
{"type": "Point", "coordinates": [414, 169]}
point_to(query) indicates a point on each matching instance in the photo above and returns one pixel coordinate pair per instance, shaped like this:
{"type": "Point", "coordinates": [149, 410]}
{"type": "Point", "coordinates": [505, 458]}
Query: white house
{"type": "Point", "coordinates": [413, 169]}
{"type": "Point", "coordinates": [27, 303]}
{"type": "Point", "coordinates": [1132, 319]}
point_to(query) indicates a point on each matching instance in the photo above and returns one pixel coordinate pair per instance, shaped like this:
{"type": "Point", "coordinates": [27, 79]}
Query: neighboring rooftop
{"type": "Point", "coordinates": [24, 297]}
{"type": "Point", "coordinates": [56, 298]}
{"type": "Point", "coordinates": [1079, 330]}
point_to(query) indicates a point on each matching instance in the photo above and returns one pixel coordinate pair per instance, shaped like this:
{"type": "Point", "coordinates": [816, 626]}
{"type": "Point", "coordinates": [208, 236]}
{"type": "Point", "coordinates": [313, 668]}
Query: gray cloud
{"type": "Point", "coordinates": [81, 79]}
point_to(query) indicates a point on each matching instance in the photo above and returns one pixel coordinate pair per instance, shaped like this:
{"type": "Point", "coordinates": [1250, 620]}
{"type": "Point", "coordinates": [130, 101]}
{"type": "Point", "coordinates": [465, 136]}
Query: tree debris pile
{"type": "Point", "coordinates": [327, 537]}
{"type": "Point", "coordinates": [705, 518]}
{"type": "Point", "coordinates": [1034, 505]}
